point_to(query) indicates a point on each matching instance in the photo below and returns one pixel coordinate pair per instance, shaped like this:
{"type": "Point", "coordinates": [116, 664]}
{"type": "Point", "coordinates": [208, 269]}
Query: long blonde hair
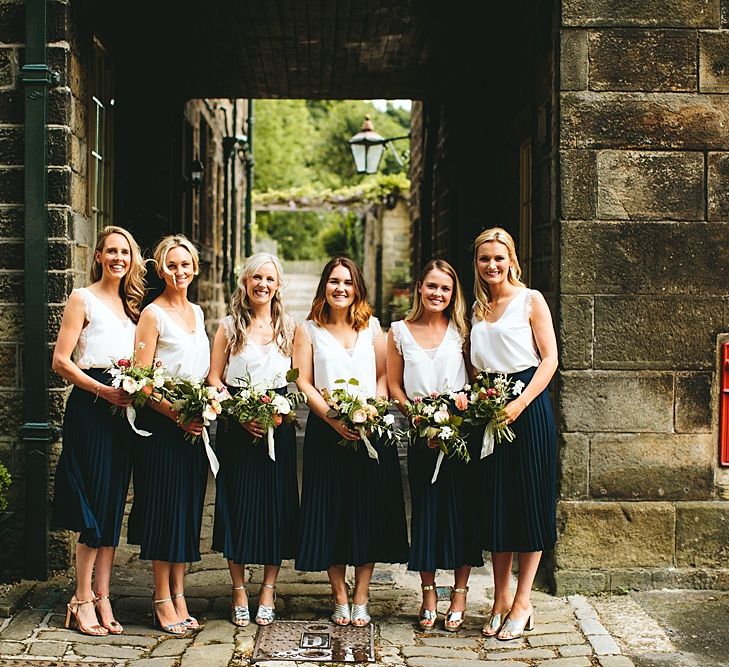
{"type": "Point", "coordinates": [456, 309]}
{"type": "Point", "coordinates": [242, 314]}
{"type": "Point", "coordinates": [481, 291]}
{"type": "Point", "coordinates": [131, 286]}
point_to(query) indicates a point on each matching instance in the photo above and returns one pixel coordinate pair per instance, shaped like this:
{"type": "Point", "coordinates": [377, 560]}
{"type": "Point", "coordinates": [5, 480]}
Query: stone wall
{"type": "Point", "coordinates": [644, 146]}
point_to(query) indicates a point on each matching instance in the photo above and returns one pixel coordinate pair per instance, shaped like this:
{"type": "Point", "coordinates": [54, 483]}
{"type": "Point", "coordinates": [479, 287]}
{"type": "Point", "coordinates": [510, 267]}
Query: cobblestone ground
{"type": "Point", "coordinates": [569, 632]}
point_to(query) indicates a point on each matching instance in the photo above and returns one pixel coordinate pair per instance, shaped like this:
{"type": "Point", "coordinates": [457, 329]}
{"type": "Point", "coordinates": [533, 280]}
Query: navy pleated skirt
{"type": "Point", "coordinates": [352, 508]}
{"type": "Point", "coordinates": [518, 482]}
{"type": "Point", "coordinates": [170, 475]}
{"type": "Point", "coordinates": [441, 521]}
{"type": "Point", "coordinates": [92, 475]}
{"type": "Point", "coordinates": [257, 499]}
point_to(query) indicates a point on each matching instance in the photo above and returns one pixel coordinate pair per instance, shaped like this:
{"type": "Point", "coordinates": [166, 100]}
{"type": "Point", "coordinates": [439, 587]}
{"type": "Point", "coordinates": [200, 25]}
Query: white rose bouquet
{"type": "Point", "coordinates": [137, 381]}
{"type": "Point", "coordinates": [365, 415]}
{"type": "Point", "coordinates": [193, 399]}
{"type": "Point", "coordinates": [266, 407]}
{"type": "Point", "coordinates": [437, 419]}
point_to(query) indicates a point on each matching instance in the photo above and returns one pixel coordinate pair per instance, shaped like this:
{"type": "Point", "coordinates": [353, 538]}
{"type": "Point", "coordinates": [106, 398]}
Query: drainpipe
{"type": "Point", "coordinates": [233, 204]}
{"type": "Point", "coordinates": [36, 433]}
{"type": "Point", "coordinates": [250, 125]}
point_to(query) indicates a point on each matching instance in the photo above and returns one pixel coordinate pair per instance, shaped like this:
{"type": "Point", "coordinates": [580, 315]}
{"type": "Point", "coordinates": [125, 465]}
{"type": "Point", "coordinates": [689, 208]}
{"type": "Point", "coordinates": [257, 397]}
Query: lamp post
{"type": "Point", "coordinates": [368, 148]}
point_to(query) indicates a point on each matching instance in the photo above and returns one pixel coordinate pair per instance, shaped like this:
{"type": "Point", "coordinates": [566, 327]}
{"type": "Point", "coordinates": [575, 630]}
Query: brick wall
{"type": "Point", "coordinates": [644, 155]}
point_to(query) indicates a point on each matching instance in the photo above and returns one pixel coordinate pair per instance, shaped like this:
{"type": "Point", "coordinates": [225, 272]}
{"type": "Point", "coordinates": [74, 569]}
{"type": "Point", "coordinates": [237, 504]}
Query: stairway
{"type": "Point", "coordinates": [298, 292]}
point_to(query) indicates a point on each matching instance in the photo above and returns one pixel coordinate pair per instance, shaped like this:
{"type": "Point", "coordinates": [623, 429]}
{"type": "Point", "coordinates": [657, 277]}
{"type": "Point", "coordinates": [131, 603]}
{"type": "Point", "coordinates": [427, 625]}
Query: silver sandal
{"type": "Point", "coordinates": [361, 612]}
{"type": "Point", "coordinates": [239, 615]}
{"type": "Point", "coordinates": [266, 615]}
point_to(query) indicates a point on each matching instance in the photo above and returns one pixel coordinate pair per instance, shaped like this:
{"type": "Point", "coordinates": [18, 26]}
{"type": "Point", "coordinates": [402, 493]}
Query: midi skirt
{"type": "Point", "coordinates": [352, 508]}
{"type": "Point", "coordinates": [441, 520]}
{"type": "Point", "coordinates": [169, 478]}
{"type": "Point", "coordinates": [92, 476]}
{"type": "Point", "coordinates": [518, 482]}
{"type": "Point", "coordinates": [257, 499]}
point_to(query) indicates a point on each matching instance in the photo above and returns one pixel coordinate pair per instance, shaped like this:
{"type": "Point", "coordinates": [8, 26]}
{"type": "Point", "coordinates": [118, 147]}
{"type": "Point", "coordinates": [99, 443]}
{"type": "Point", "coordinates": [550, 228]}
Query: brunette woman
{"type": "Point", "coordinates": [512, 333]}
{"type": "Point", "coordinates": [257, 501]}
{"type": "Point", "coordinates": [170, 473]}
{"type": "Point", "coordinates": [352, 510]}
{"type": "Point", "coordinates": [425, 356]}
{"type": "Point", "coordinates": [93, 471]}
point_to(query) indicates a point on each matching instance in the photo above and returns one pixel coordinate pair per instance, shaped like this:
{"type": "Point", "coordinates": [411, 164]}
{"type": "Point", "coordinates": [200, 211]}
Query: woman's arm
{"type": "Point", "coordinates": [544, 336]}
{"type": "Point", "coordinates": [395, 368]}
{"type": "Point", "coordinates": [74, 319]}
{"type": "Point", "coordinates": [380, 362]}
{"type": "Point", "coordinates": [218, 358]}
{"type": "Point", "coordinates": [303, 359]}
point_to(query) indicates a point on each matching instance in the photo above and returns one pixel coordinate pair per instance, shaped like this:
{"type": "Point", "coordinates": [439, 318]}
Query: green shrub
{"type": "Point", "coordinates": [5, 481]}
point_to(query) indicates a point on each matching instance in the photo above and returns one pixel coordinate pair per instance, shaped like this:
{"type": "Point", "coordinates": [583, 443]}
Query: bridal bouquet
{"type": "Point", "coordinates": [193, 399]}
{"type": "Point", "coordinates": [488, 395]}
{"type": "Point", "coordinates": [137, 381]}
{"type": "Point", "coordinates": [266, 407]}
{"type": "Point", "coordinates": [365, 415]}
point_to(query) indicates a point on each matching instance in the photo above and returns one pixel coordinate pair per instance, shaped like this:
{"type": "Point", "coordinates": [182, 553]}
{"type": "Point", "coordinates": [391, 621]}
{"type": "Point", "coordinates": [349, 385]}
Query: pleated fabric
{"type": "Point", "coordinates": [170, 475]}
{"type": "Point", "coordinates": [257, 499]}
{"type": "Point", "coordinates": [518, 482]}
{"type": "Point", "coordinates": [442, 517]}
{"type": "Point", "coordinates": [352, 508]}
{"type": "Point", "coordinates": [92, 476]}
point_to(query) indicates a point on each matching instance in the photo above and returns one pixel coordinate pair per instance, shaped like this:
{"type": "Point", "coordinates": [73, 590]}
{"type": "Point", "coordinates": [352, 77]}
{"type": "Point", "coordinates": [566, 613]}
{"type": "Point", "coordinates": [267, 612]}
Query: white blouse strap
{"type": "Point", "coordinates": [228, 327]}
{"type": "Point", "coordinates": [528, 303]}
{"type": "Point", "coordinates": [375, 329]}
{"type": "Point", "coordinates": [85, 295]}
{"type": "Point", "coordinates": [395, 332]}
{"type": "Point", "coordinates": [156, 311]}
{"type": "Point", "coordinates": [307, 326]}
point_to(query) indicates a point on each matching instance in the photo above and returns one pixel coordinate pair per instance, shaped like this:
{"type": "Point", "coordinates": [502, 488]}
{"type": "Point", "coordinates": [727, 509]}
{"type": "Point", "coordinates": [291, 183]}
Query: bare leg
{"type": "Point", "coordinates": [501, 562]}
{"type": "Point", "coordinates": [361, 595]}
{"type": "Point", "coordinates": [430, 598]}
{"type": "Point", "coordinates": [340, 593]}
{"type": "Point", "coordinates": [166, 612]}
{"type": "Point", "coordinates": [521, 607]}
{"type": "Point", "coordinates": [177, 586]}
{"type": "Point", "coordinates": [455, 615]}
{"type": "Point", "coordinates": [266, 595]}
{"type": "Point", "coordinates": [238, 579]}
{"type": "Point", "coordinates": [85, 561]}
{"type": "Point", "coordinates": [102, 584]}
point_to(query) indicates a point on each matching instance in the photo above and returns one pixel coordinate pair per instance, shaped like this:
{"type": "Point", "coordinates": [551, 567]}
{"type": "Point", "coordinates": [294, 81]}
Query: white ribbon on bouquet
{"type": "Point", "coordinates": [131, 414]}
{"type": "Point", "coordinates": [212, 459]}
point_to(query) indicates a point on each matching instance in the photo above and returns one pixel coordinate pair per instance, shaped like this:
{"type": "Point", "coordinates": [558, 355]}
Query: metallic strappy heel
{"type": "Point", "coordinates": [178, 629]}
{"type": "Point", "coordinates": [454, 619]}
{"type": "Point", "coordinates": [493, 624]}
{"type": "Point", "coordinates": [114, 627]}
{"type": "Point", "coordinates": [266, 615]}
{"type": "Point", "coordinates": [428, 617]}
{"type": "Point", "coordinates": [72, 615]}
{"type": "Point", "coordinates": [239, 615]}
{"type": "Point", "coordinates": [190, 621]}
{"type": "Point", "coordinates": [515, 627]}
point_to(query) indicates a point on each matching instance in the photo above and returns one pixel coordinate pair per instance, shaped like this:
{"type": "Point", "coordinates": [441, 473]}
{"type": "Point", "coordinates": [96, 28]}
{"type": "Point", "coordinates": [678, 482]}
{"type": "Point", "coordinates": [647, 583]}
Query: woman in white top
{"type": "Point", "coordinates": [170, 473]}
{"type": "Point", "coordinates": [93, 471]}
{"type": "Point", "coordinates": [352, 510]}
{"type": "Point", "coordinates": [257, 497]}
{"type": "Point", "coordinates": [512, 333]}
{"type": "Point", "coordinates": [424, 356]}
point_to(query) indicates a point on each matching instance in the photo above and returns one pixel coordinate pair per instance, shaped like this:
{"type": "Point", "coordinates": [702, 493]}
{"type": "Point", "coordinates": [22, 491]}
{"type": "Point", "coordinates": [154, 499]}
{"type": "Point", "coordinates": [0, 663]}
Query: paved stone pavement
{"type": "Point", "coordinates": [608, 631]}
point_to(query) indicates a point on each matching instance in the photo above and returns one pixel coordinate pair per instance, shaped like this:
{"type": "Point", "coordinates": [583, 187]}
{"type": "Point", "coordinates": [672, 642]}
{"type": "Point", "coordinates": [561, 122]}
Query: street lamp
{"type": "Point", "coordinates": [196, 173]}
{"type": "Point", "coordinates": [368, 147]}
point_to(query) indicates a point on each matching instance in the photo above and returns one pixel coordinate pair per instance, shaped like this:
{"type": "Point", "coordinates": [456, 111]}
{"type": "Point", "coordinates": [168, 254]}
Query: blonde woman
{"type": "Point", "coordinates": [352, 510]}
{"type": "Point", "coordinates": [170, 474]}
{"type": "Point", "coordinates": [93, 471]}
{"type": "Point", "coordinates": [425, 355]}
{"type": "Point", "coordinates": [512, 333]}
{"type": "Point", "coordinates": [257, 500]}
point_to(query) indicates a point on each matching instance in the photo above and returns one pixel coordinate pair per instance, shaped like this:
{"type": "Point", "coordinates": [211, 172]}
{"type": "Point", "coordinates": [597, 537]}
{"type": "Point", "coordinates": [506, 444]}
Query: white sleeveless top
{"type": "Point", "coordinates": [439, 369]}
{"type": "Point", "coordinates": [333, 362]}
{"type": "Point", "coordinates": [183, 353]}
{"type": "Point", "coordinates": [105, 336]}
{"type": "Point", "coordinates": [265, 364]}
{"type": "Point", "coordinates": [507, 345]}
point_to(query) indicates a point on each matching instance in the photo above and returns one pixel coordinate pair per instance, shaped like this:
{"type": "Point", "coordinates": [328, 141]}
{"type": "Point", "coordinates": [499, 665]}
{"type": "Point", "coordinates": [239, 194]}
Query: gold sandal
{"type": "Point", "coordinates": [454, 619]}
{"type": "Point", "coordinates": [114, 627]}
{"type": "Point", "coordinates": [428, 617]}
{"type": "Point", "coordinates": [72, 613]}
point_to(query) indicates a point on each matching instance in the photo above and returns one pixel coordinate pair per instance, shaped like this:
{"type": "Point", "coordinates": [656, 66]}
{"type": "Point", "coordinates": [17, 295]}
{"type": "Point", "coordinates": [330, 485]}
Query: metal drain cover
{"type": "Point", "coordinates": [314, 641]}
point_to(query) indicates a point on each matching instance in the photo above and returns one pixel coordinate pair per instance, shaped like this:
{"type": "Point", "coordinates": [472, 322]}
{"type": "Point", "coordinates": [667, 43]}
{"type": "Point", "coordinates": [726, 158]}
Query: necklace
{"type": "Point", "coordinates": [181, 313]}
{"type": "Point", "coordinates": [262, 325]}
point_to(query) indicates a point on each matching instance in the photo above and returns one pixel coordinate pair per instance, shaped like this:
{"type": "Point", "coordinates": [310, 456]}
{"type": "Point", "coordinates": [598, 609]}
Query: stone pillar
{"type": "Point", "coordinates": [644, 294]}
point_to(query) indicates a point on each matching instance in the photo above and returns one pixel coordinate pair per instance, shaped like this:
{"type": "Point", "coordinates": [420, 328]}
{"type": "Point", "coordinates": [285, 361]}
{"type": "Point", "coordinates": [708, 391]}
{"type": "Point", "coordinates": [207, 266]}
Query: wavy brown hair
{"type": "Point", "coordinates": [242, 314]}
{"type": "Point", "coordinates": [131, 287]}
{"type": "Point", "coordinates": [456, 309]}
{"type": "Point", "coordinates": [482, 306]}
{"type": "Point", "coordinates": [359, 312]}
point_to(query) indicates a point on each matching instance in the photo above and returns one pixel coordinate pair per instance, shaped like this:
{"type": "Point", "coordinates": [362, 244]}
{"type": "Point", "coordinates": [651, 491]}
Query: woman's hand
{"type": "Point", "coordinates": [513, 409]}
{"type": "Point", "coordinates": [193, 427]}
{"type": "Point", "coordinates": [254, 428]}
{"type": "Point", "coordinates": [117, 397]}
{"type": "Point", "coordinates": [340, 428]}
